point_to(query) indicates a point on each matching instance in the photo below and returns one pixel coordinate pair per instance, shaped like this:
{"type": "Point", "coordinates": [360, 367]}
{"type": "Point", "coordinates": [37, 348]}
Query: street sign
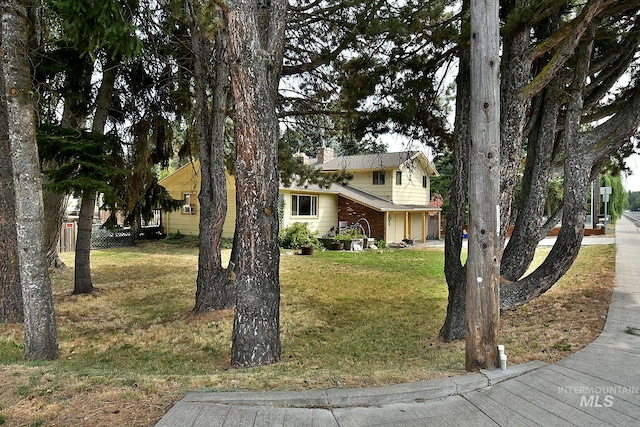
{"type": "Point", "coordinates": [605, 190]}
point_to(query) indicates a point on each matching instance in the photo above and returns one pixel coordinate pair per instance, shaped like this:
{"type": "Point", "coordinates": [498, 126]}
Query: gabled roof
{"type": "Point", "coordinates": [376, 202]}
{"type": "Point", "coordinates": [360, 196]}
{"type": "Point", "coordinates": [376, 161]}
{"type": "Point", "coordinates": [186, 173]}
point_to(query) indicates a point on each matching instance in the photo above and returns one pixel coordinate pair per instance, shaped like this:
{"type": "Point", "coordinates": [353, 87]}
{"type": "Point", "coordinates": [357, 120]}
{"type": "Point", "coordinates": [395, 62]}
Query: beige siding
{"type": "Point", "coordinates": [417, 231]}
{"type": "Point", "coordinates": [327, 212]}
{"type": "Point", "coordinates": [184, 223]}
{"type": "Point", "coordinates": [363, 180]}
{"type": "Point", "coordinates": [187, 180]}
{"type": "Point", "coordinates": [395, 230]}
{"type": "Point", "coordinates": [230, 220]}
{"type": "Point", "coordinates": [410, 192]}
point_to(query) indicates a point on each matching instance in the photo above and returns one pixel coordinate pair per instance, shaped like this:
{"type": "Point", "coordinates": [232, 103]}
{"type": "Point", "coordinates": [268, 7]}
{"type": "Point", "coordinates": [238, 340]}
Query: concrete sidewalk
{"type": "Point", "coordinates": [597, 386]}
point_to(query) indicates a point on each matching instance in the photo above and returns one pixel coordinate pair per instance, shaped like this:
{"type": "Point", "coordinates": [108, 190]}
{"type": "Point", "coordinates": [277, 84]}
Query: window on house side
{"type": "Point", "coordinates": [302, 205]}
{"type": "Point", "coordinates": [398, 177]}
{"type": "Point", "coordinates": [424, 181]}
{"type": "Point", "coordinates": [188, 203]}
{"type": "Point", "coordinates": [378, 177]}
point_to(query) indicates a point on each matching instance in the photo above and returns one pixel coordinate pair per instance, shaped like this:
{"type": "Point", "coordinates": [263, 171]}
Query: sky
{"type": "Point", "coordinates": [632, 182]}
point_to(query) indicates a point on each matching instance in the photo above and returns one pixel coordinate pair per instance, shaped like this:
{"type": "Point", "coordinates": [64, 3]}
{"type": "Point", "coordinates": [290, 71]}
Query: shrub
{"type": "Point", "coordinates": [175, 236]}
{"type": "Point", "coordinates": [296, 235]}
{"type": "Point", "coordinates": [178, 238]}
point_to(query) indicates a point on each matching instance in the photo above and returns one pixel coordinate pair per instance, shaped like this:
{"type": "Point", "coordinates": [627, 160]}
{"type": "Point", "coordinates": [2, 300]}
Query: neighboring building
{"type": "Point", "coordinates": [389, 194]}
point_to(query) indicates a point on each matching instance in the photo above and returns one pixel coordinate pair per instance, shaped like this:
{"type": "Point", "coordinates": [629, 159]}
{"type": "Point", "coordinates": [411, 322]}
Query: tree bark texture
{"type": "Point", "coordinates": [584, 153]}
{"type": "Point", "coordinates": [11, 310]}
{"type": "Point", "coordinates": [483, 263]}
{"type": "Point", "coordinates": [454, 327]}
{"type": "Point", "coordinates": [519, 252]}
{"type": "Point", "coordinates": [214, 284]}
{"type": "Point", "coordinates": [55, 206]}
{"type": "Point", "coordinates": [577, 175]}
{"type": "Point", "coordinates": [41, 340]}
{"type": "Point", "coordinates": [255, 33]}
{"type": "Point", "coordinates": [559, 51]}
{"type": "Point", "coordinates": [540, 147]}
{"type": "Point", "coordinates": [82, 281]}
{"type": "Point", "coordinates": [517, 73]}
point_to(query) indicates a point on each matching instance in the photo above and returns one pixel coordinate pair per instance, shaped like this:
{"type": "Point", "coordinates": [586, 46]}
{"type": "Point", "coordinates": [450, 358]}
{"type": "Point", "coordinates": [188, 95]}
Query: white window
{"type": "Point", "coordinates": [304, 205]}
{"type": "Point", "coordinates": [398, 177]}
{"type": "Point", "coordinates": [425, 181]}
{"type": "Point", "coordinates": [378, 177]}
{"type": "Point", "coordinates": [188, 203]}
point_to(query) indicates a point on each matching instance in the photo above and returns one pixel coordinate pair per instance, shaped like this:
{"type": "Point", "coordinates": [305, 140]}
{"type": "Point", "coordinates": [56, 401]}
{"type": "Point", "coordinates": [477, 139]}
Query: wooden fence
{"type": "Point", "coordinates": [68, 236]}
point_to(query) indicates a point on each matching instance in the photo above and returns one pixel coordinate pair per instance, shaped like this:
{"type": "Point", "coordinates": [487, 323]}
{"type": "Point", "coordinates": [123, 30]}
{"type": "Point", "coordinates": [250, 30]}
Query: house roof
{"type": "Point", "coordinates": [368, 161]}
{"type": "Point", "coordinates": [362, 197]}
{"type": "Point", "coordinates": [378, 203]}
{"type": "Point", "coordinates": [376, 161]}
{"type": "Point", "coordinates": [191, 169]}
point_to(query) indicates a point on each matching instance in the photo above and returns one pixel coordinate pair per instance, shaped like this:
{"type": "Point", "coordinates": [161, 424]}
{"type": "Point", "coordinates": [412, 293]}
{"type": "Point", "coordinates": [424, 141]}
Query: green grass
{"type": "Point", "coordinates": [367, 317]}
{"type": "Point", "coordinates": [347, 319]}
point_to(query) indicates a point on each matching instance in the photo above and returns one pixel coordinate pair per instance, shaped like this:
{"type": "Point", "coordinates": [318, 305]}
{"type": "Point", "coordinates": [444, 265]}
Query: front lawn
{"type": "Point", "coordinates": [133, 347]}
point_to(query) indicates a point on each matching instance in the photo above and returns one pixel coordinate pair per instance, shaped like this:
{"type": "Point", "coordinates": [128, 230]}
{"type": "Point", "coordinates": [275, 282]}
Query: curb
{"type": "Point", "coordinates": [366, 397]}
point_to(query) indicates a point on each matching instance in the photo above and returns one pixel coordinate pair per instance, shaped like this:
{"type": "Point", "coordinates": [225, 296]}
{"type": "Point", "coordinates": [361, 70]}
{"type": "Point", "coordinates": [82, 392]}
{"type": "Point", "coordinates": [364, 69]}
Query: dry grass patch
{"type": "Point", "coordinates": [133, 347]}
{"type": "Point", "coordinates": [569, 316]}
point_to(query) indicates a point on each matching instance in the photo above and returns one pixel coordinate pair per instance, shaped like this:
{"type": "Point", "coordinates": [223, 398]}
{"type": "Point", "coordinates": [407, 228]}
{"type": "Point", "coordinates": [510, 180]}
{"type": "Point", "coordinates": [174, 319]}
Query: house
{"type": "Point", "coordinates": [389, 196]}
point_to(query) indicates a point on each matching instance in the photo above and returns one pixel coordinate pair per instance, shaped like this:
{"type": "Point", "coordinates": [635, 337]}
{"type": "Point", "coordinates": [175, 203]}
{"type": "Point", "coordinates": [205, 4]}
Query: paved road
{"type": "Point", "coordinates": [633, 216]}
{"type": "Point", "coordinates": [597, 386]}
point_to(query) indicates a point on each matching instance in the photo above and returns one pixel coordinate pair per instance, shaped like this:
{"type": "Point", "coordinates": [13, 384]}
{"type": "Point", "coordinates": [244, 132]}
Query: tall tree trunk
{"type": "Point", "coordinates": [555, 54]}
{"type": "Point", "coordinates": [11, 309]}
{"type": "Point", "coordinates": [541, 144]}
{"type": "Point", "coordinates": [83, 283]}
{"type": "Point", "coordinates": [255, 33]}
{"type": "Point", "coordinates": [454, 327]}
{"type": "Point", "coordinates": [74, 116]}
{"type": "Point", "coordinates": [55, 206]}
{"type": "Point", "coordinates": [577, 175]}
{"type": "Point", "coordinates": [82, 273]}
{"type": "Point", "coordinates": [214, 286]}
{"type": "Point", "coordinates": [519, 252]}
{"type": "Point", "coordinates": [483, 263]}
{"type": "Point", "coordinates": [516, 73]}
{"type": "Point", "coordinates": [584, 153]}
{"type": "Point", "coordinates": [40, 336]}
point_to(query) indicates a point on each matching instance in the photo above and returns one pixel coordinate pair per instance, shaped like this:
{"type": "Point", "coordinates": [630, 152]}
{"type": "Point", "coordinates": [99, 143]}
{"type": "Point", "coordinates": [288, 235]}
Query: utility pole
{"type": "Point", "coordinates": [483, 263]}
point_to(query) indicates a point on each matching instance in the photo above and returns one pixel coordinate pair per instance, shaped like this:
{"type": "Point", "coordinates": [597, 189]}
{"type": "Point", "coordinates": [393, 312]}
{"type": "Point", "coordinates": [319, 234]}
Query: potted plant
{"type": "Point", "coordinates": [307, 249]}
{"type": "Point", "coordinates": [352, 238]}
{"type": "Point", "coordinates": [309, 244]}
{"type": "Point", "coordinates": [338, 242]}
{"type": "Point", "coordinates": [298, 236]}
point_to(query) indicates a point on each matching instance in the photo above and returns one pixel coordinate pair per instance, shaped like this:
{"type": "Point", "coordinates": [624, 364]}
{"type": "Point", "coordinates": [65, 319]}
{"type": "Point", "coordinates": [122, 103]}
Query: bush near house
{"type": "Point", "coordinates": [298, 235]}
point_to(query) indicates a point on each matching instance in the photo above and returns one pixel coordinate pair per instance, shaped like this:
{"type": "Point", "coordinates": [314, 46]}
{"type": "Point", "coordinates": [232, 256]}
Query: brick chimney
{"type": "Point", "coordinates": [325, 154]}
{"type": "Point", "coordinates": [303, 158]}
